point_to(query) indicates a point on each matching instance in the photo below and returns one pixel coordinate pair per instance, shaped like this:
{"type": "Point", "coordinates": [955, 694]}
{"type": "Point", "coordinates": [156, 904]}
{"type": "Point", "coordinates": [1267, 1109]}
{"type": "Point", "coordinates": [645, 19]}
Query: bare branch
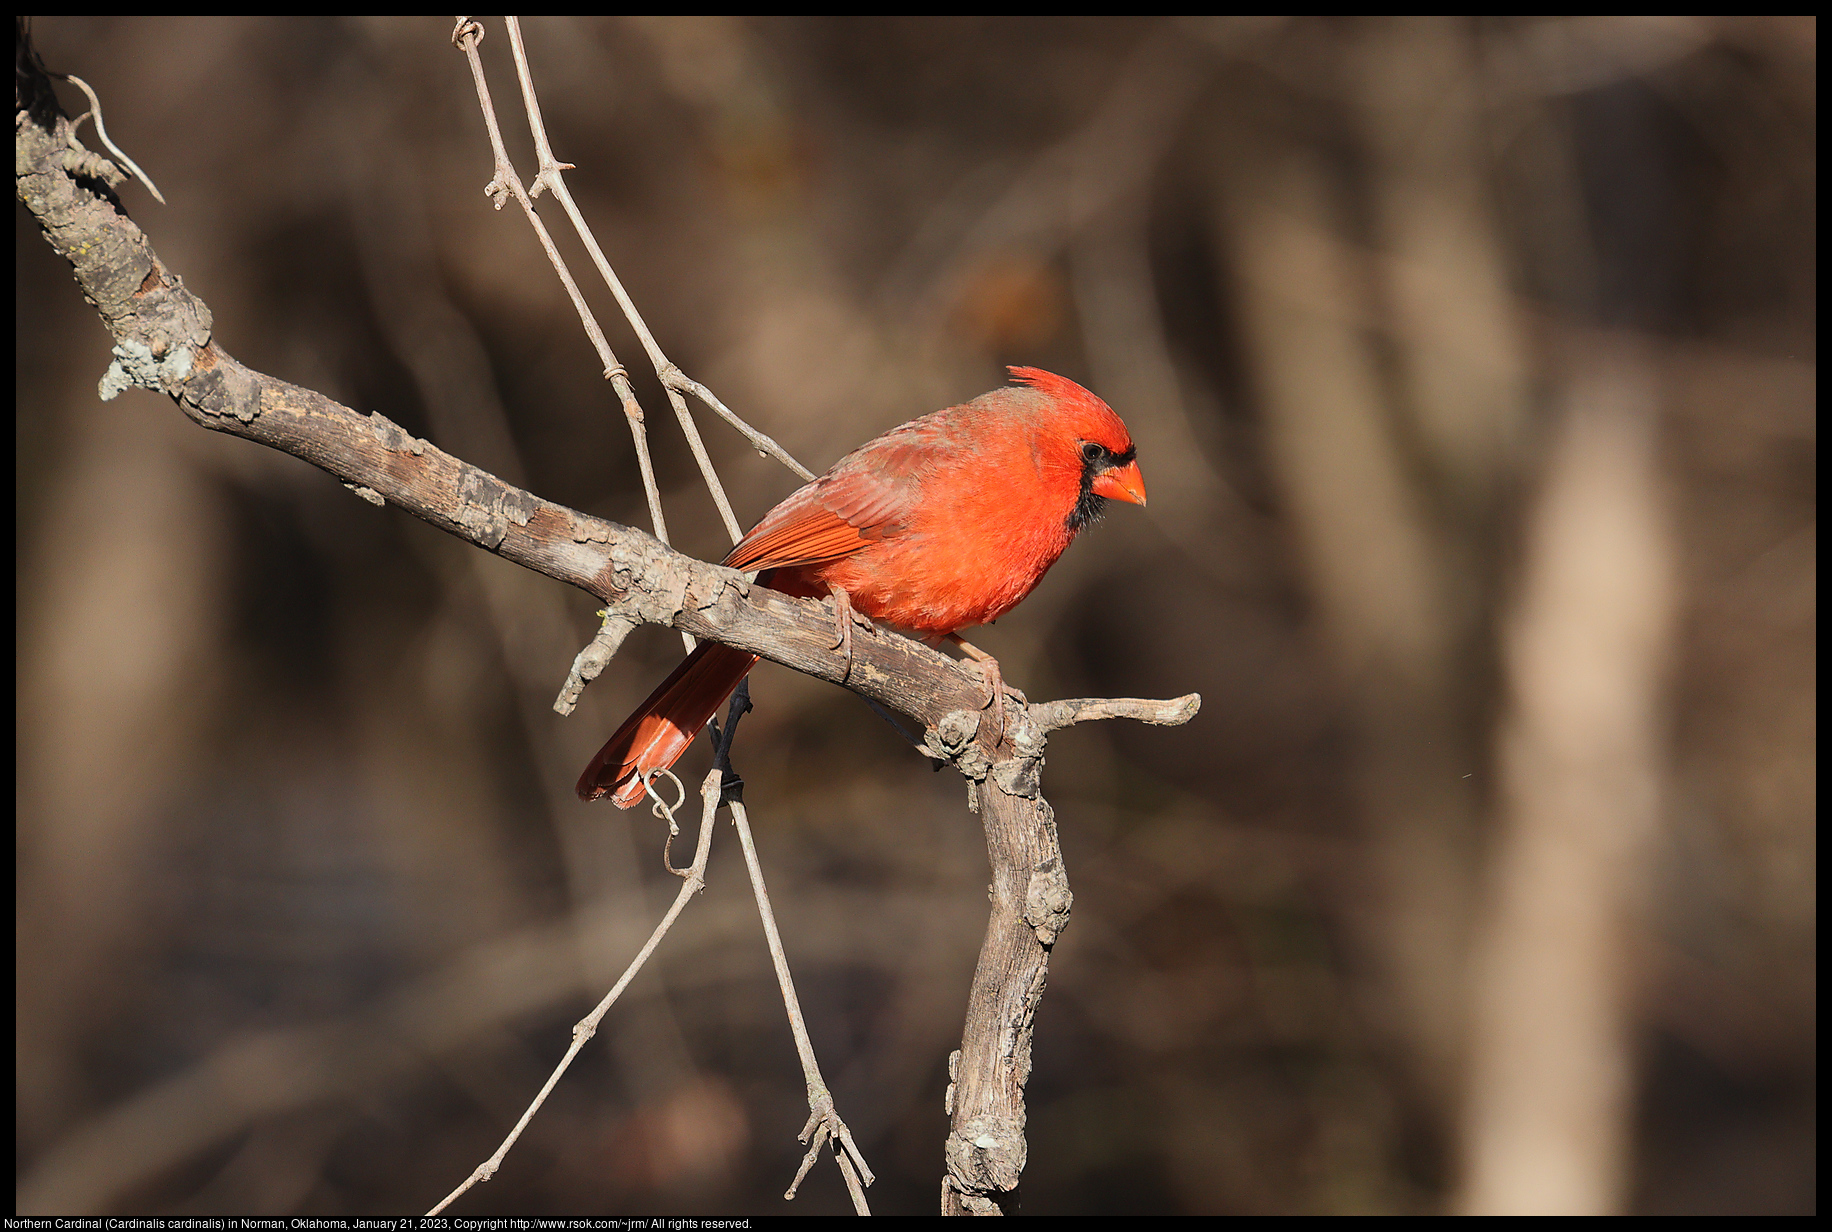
{"type": "Point", "coordinates": [674, 378]}
{"type": "Point", "coordinates": [552, 179]}
{"type": "Point", "coordinates": [692, 883]}
{"type": "Point", "coordinates": [986, 1148]}
{"type": "Point", "coordinates": [1070, 711]}
{"type": "Point", "coordinates": [101, 131]}
{"type": "Point", "coordinates": [466, 35]}
{"type": "Point", "coordinates": [824, 1122]}
{"type": "Point", "coordinates": [589, 663]}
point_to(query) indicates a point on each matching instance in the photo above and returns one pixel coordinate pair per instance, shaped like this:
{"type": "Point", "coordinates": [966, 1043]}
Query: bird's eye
{"type": "Point", "coordinates": [1090, 452]}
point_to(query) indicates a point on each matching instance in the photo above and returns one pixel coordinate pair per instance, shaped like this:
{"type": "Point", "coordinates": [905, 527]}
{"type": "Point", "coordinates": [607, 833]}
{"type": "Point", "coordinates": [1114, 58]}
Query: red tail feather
{"type": "Point", "coordinates": [659, 732]}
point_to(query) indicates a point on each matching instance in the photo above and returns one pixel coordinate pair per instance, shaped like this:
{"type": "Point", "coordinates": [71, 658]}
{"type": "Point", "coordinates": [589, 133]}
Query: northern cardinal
{"type": "Point", "coordinates": [944, 523]}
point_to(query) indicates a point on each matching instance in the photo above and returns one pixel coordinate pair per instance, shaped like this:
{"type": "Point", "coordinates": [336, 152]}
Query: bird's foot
{"type": "Point", "coordinates": [843, 617]}
{"type": "Point", "coordinates": [996, 688]}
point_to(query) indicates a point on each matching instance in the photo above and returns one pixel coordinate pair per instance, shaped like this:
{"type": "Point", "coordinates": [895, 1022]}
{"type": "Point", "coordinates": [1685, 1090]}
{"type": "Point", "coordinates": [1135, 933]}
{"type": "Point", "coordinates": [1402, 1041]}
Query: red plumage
{"type": "Point", "coordinates": [942, 524]}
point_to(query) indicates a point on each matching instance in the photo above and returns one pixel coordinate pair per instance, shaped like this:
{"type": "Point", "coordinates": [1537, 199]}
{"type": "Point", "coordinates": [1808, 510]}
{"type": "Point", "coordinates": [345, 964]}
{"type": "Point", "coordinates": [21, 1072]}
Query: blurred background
{"type": "Point", "coordinates": [1471, 367]}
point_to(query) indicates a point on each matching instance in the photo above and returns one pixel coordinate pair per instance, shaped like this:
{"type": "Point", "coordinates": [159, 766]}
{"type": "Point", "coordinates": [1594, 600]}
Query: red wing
{"type": "Point", "coordinates": [869, 495]}
{"type": "Point", "coordinates": [806, 536]}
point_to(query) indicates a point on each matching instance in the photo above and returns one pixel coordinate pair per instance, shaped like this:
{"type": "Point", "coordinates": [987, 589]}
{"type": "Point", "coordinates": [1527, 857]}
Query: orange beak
{"type": "Point", "coordinates": [1120, 483]}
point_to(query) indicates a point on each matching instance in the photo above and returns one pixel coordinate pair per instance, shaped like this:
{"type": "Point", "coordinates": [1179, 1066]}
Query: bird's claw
{"type": "Point", "coordinates": [996, 690]}
{"type": "Point", "coordinates": [843, 617]}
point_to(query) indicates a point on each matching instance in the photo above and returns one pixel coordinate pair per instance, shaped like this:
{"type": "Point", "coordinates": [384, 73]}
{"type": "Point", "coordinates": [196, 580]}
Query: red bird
{"type": "Point", "coordinates": [942, 524]}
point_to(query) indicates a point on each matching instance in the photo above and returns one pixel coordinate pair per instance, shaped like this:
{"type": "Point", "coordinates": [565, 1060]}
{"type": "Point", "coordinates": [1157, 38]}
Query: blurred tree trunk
{"type": "Point", "coordinates": [1551, 1076]}
{"type": "Point", "coordinates": [1378, 572]}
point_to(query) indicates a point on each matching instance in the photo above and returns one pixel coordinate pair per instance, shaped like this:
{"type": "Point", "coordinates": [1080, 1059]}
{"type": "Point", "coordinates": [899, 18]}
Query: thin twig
{"type": "Point", "coordinates": [824, 1121]}
{"type": "Point", "coordinates": [504, 183]}
{"type": "Point", "coordinates": [675, 378]}
{"type": "Point", "coordinates": [551, 179]}
{"type": "Point", "coordinates": [95, 108]}
{"type": "Point", "coordinates": [672, 379]}
{"type": "Point", "coordinates": [693, 881]}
